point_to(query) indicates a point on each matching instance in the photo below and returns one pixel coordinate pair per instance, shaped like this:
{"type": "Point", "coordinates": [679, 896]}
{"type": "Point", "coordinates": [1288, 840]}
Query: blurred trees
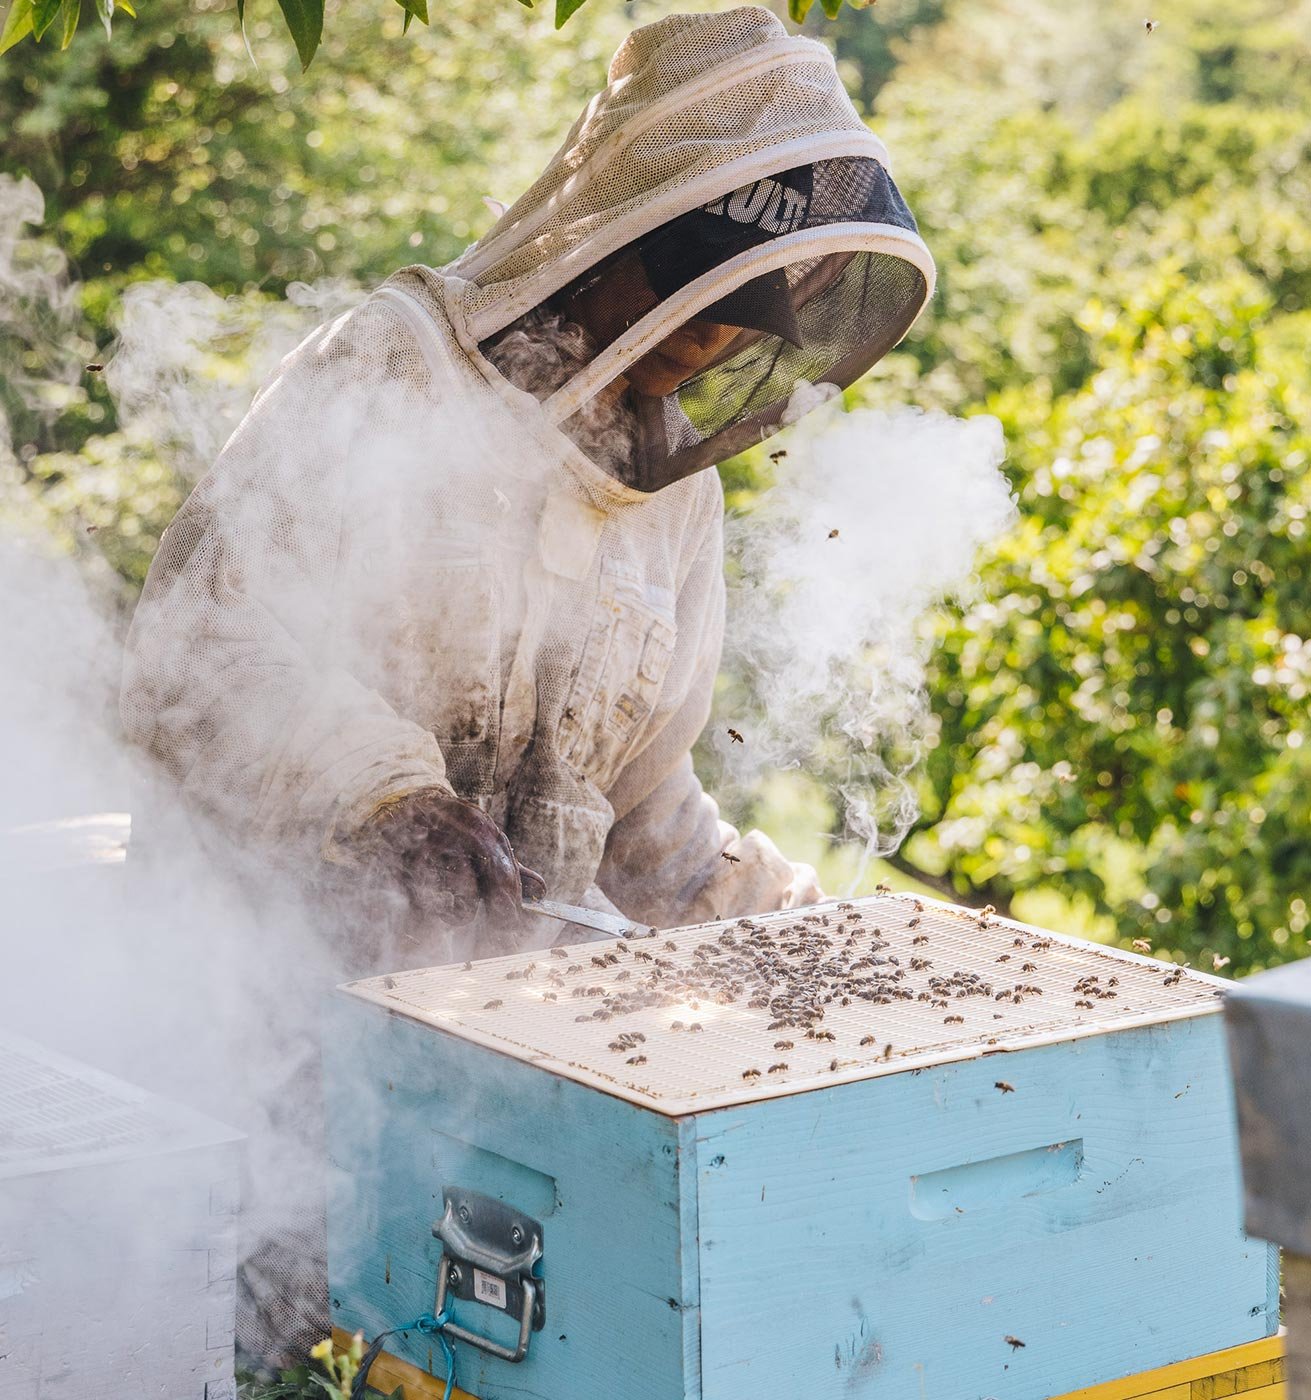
{"type": "Point", "coordinates": [1122, 222]}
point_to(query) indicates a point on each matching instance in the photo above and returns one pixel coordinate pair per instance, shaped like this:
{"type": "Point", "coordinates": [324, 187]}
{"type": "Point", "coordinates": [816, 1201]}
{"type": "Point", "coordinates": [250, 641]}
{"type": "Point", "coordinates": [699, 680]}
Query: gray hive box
{"type": "Point", "coordinates": [1269, 1021]}
{"type": "Point", "coordinates": [117, 1238]}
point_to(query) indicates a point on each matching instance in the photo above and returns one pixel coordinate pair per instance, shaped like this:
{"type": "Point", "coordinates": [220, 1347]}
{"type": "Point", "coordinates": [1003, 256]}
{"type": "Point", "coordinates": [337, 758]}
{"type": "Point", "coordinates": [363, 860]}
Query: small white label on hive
{"type": "Point", "coordinates": [487, 1288]}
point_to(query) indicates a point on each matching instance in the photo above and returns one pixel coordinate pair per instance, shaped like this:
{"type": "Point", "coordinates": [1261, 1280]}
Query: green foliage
{"type": "Point", "coordinates": [304, 18]}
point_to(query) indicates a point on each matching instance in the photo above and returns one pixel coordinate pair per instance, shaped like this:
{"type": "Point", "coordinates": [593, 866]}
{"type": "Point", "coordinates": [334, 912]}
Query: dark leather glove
{"type": "Point", "coordinates": [449, 858]}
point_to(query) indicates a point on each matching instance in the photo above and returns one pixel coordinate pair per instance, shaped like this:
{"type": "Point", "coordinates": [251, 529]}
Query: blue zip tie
{"type": "Point", "coordinates": [427, 1324]}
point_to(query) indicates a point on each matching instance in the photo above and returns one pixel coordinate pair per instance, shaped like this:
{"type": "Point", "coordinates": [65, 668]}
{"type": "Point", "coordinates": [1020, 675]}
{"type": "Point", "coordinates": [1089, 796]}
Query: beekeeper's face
{"type": "Point", "coordinates": [619, 298]}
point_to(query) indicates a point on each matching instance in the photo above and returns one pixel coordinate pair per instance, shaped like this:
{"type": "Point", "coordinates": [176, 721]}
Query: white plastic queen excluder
{"type": "Point", "coordinates": [888, 1148]}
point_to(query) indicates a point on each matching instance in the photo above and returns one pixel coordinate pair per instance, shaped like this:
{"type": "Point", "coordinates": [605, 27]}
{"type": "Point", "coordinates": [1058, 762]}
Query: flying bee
{"type": "Point", "coordinates": [1014, 1343]}
{"type": "Point", "coordinates": [1142, 945]}
{"type": "Point", "coordinates": [777, 456]}
{"type": "Point", "coordinates": [833, 534]}
{"type": "Point", "coordinates": [1004, 1086]}
{"type": "Point", "coordinates": [1148, 24]}
{"type": "Point", "coordinates": [1217, 962]}
{"type": "Point", "coordinates": [731, 859]}
{"type": "Point", "coordinates": [735, 737]}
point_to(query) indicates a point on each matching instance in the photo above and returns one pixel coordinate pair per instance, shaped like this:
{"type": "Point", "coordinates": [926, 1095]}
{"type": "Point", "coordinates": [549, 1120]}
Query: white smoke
{"type": "Point", "coordinates": [875, 518]}
{"type": "Point", "coordinates": [187, 361]}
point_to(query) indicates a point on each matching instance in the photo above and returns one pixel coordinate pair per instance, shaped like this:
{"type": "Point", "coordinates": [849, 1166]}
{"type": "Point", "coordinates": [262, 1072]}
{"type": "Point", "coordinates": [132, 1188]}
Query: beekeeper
{"type": "Point", "coordinates": [446, 614]}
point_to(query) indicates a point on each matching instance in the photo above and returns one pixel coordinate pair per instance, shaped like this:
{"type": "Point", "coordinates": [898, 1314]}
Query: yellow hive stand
{"type": "Point", "coordinates": [1254, 1371]}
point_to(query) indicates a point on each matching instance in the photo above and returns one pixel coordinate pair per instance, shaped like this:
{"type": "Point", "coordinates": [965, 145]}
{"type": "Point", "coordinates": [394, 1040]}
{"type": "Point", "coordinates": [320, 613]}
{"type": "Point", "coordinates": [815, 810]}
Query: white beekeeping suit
{"type": "Point", "coordinates": [452, 549]}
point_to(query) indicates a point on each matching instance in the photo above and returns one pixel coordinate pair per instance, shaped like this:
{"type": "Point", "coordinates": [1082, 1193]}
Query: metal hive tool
{"type": "Point", "coordinates": [739, 1010]}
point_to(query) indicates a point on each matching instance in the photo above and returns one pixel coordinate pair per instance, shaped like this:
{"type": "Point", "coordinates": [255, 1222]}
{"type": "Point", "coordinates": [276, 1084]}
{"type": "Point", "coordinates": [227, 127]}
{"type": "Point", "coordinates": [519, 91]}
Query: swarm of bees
{"type": "Point", "coordinates": [794, 973]}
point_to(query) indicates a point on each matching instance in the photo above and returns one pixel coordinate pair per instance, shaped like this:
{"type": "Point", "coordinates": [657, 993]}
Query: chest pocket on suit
{"type": "Point", "coordinates": [625, 659]}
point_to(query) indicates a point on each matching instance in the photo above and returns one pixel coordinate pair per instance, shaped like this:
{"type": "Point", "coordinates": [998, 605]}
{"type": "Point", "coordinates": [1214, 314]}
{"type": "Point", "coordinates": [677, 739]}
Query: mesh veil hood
{"type": "Point", "coordinates": [697, 107]}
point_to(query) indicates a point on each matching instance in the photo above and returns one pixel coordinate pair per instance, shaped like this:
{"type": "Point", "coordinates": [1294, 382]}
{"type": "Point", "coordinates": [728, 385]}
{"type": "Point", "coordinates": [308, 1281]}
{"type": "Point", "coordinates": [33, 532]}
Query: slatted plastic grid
{"type": "Point", "coordinates": [567, 1014]}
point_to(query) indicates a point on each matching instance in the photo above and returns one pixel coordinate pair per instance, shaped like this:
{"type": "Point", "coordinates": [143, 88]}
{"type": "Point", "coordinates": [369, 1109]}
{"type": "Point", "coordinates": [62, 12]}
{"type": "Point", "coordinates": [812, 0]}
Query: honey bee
{"type": "Point", "coordinates": [833, 534]}
{"type": "Point", "coordinates": [832, 1065]}
{"type": "Point", "coordinates": [1004, 1086]}
{"type": "Point", "coordinates": [695, 1026]}
{"type": "Point", "coordinates": [468, 967]}
{"type": "Point", "coordinates": [913, 923]}
{"type": "Point", "coordinates": [676, 1025]}
{"type": "Point", "coordinates": [750, 1074]}
{"type": "Point", "coordinates": [1148, 24]}
{"type": "Point", "coordinates": [559, 953]}
{"type": "Point", "coordinates": [919, 939]}
{"type": "Point", "coordinates": [1217, 962]}
{"type": "Point", "coordinates": [1084, 1005]}
{"type": "Point", "coordinates": [778, 1068]}
{"type": "Point", "coordinates": [1142, 945]}
{"type": "Point", "coordinates": [1004, 957]}
{"type": "Point", "coordinates": [389, 982]}
{"type": "Point", "coordinates": [867, 1040]}
{"type": "Point", "coordinates": [1028, 967]}
{"type": "Point", "coordinates": [920, 964]}
{"type": "Point", "coordinates": [548, 996]}
{"type": "Point", "coordinates": [1014, 1343]}
{"type": "Point", "coordinates": [492, 1005]}
{"type": "Point", "coordinates": [636, 1060]}
{"type": "Point", "coordinates": [953, 1020]}
{"type": "Point", "coordinates": [782, 1045]}
{"type": "Point", "coordinates": [671, 946]}
{"type": "Point", "coordinates": [735, 737]}
{"type": "Point", "coordinates": [731, 859]}
{"type": "Point", "coordinates": [778, 455]}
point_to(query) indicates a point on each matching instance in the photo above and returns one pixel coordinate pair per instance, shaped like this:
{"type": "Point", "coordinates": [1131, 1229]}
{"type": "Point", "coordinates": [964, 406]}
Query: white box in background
{"type": "Point", "coordinates": [118, 1238]}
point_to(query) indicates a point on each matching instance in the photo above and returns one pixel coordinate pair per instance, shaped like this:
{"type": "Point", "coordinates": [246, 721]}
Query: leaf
{"type": "Point", "coordinates": [72, 13]}
{"type": "Point", "coordinates": [414, 9]}
{"type": "Point", "coordinates": [563, 9]}
{"type": "Point", "coordinates": [798, 10]}
{"type": "Point", "coordinates": [126, 6]}
{"type": "Point", "coordinates": [305, 20]}
{"type": "Point", "coordinates": [44, 14]}
{"type": "Point", "coordinates": [105, 9]}
{"type": "Point", "coordinates": [18, 24]}
{"type": "Point", "coordinates": [832, 8]}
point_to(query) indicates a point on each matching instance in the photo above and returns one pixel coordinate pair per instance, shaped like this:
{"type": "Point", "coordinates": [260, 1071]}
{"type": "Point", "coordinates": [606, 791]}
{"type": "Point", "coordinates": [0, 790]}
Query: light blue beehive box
{"type": "Point", "coordinates": [1039, 1196]}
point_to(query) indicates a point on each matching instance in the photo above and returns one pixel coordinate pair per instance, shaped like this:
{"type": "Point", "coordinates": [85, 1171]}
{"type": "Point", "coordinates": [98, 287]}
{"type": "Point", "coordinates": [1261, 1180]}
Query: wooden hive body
{"type": "Point", "coordinates": [890, 1224]}
{"type": "Point", "coordinates": [118, 1215]}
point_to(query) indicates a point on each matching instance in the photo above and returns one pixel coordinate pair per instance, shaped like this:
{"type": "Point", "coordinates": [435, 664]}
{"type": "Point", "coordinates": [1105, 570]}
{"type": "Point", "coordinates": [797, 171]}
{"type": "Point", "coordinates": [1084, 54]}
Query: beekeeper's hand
{"type": "Point", "coordinates": [448, 857]}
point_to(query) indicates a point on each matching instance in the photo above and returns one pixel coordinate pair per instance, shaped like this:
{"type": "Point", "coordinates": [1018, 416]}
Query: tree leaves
{"type": "Point", "coordinates": [414, 9]}
{"type": "Point", "coordinates": [565, 8]}
{"type": "Point", "coordinates": [38, 18]}
{"type": "Point", "coordinates": [305, 20]}
{"type": "Point", "coordinates": [18, 24]}
{"type": "Point", "coordinates": [44, 14]}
